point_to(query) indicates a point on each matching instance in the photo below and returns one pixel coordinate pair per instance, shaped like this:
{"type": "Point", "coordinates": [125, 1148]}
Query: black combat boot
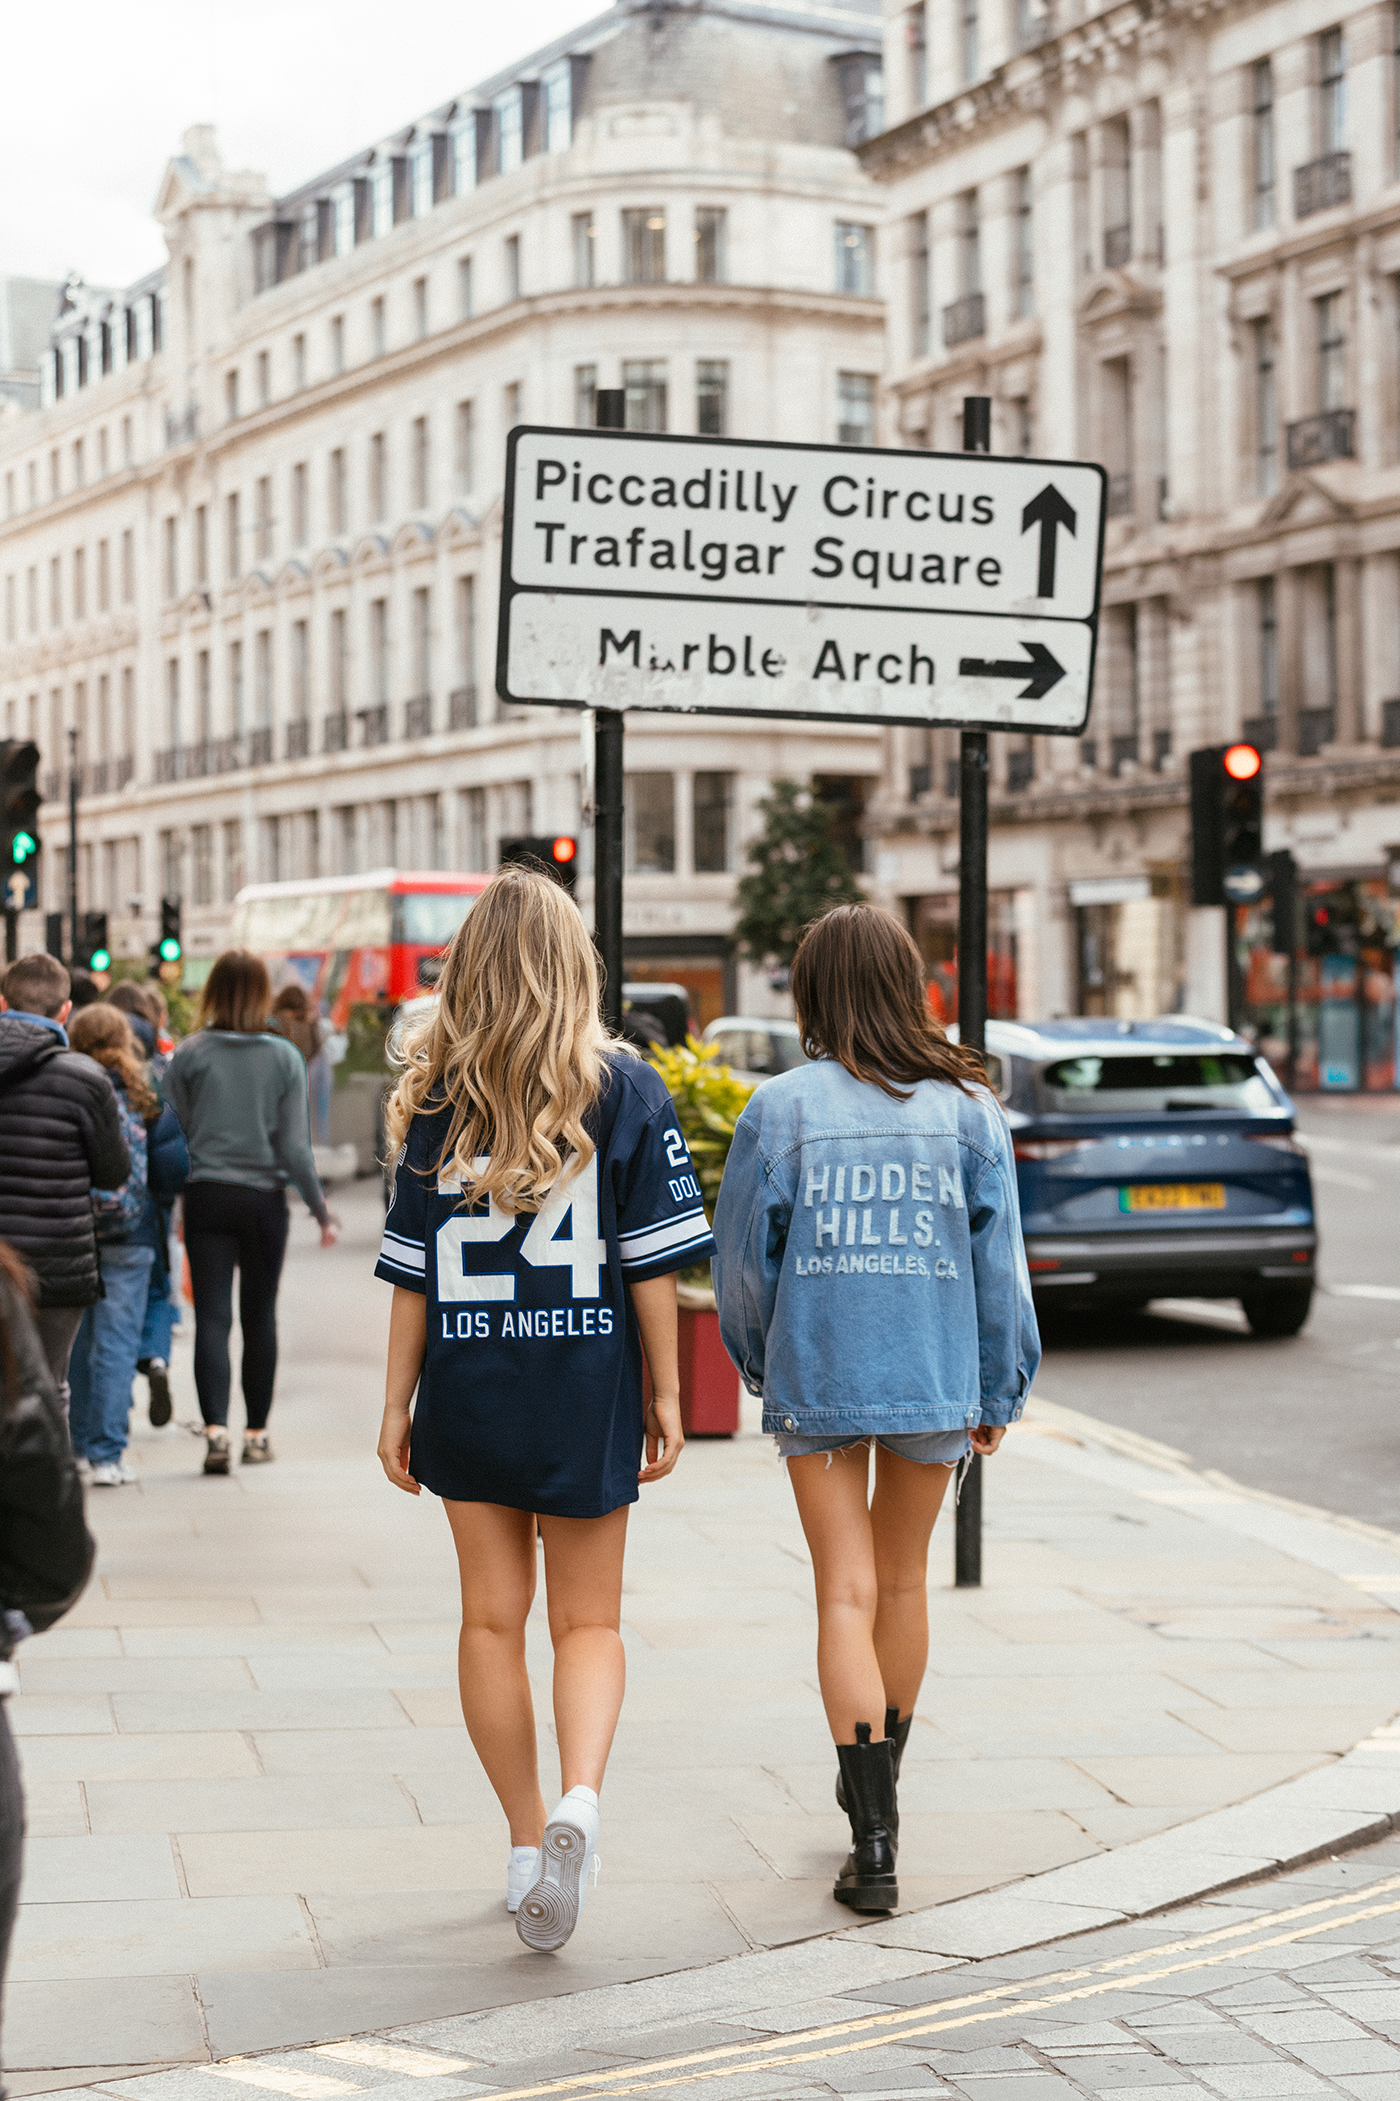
{"type": "Point", "coordinates": [867, 1881]}
{"type": "Point", "coordinates": [898, 1733]}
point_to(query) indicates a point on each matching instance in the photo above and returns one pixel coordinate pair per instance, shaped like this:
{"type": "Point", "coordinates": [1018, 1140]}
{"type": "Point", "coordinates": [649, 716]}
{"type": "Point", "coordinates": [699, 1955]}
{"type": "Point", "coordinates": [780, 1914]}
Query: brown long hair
{"type": "Point", "coordinates": [237, 994]}
{"type": "Point", "coordinates": [102, 1032]}
{"type": "Point", "coordinates": [858, 986]}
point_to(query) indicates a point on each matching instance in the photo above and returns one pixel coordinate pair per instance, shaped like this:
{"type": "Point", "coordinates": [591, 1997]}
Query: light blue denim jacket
{"type": "Point", "coordinates": [870, 1271]}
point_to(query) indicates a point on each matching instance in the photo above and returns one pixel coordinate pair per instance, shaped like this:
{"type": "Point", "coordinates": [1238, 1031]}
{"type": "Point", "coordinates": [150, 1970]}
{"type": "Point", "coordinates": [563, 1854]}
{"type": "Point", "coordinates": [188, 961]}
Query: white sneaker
{"type": "Point", "coordinates": [549, 1909]}
{"type": "Point", "coordinates": [520, 1873]}
{"type": "Point", "coordinates": [116, 1474]}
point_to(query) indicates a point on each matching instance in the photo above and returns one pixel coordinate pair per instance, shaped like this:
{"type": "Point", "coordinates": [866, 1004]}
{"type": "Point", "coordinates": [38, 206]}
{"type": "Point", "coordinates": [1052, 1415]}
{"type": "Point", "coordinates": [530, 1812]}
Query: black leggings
{"type": "Point", "coordinates": [229, 1226]}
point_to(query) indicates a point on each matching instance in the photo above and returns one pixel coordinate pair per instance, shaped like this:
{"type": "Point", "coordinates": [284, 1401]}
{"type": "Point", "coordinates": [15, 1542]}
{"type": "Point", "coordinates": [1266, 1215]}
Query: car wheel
{"type": "Point", "coordinates": [1281, 1311]}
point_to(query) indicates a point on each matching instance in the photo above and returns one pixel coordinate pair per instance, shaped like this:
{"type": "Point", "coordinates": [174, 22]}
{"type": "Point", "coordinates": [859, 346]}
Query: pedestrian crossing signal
{"type": "Point", "coordinates": [554, 854]}
{"type": "Point", "coordinates": [95, 953]}
{"type": "Point", "coordinates": [19, 802]}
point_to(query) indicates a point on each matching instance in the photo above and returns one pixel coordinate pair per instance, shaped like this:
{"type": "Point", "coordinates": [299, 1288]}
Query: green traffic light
{"type": "Point", "coordinates": [99, 960]}
{"type": "Point", "coordinates": [169, 950]}
{"type": "Point", "coordinates": [22, 846]}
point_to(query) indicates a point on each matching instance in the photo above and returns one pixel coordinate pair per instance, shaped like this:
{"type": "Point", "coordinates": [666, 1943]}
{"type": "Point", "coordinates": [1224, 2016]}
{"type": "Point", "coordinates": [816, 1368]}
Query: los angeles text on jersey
{"type": "Point", "coordinates": [524, 1324]}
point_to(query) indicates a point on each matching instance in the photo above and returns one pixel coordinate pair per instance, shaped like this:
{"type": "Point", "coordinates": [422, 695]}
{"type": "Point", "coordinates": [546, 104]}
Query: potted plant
{"type": "Point", "coordinates": [709, 1101]}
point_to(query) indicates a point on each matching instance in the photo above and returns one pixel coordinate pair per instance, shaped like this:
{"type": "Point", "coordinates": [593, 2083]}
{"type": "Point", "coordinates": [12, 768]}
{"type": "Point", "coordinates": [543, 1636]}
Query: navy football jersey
{"type": "Point", "coordinates": [531, 1390]}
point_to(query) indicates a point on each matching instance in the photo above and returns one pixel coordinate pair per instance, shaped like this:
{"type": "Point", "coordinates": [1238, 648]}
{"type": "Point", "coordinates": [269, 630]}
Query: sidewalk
{"type": "Point", "coordinates": [257, 1821]}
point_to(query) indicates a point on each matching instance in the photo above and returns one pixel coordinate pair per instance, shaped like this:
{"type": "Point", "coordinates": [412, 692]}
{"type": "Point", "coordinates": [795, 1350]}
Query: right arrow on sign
{"type": "Point", "coordinates": [1043, 670]}
{"type": "Point", "coordinates": [1049, 511]}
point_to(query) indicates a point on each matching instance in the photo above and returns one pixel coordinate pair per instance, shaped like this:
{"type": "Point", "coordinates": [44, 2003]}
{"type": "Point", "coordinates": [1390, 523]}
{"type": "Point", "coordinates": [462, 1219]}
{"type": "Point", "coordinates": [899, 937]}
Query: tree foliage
{"type": "Point", "coordinates": [800, 870]}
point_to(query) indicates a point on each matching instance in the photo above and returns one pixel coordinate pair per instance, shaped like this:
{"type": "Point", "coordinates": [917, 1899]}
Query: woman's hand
{"type": "Point", "coordinates": [394, 1434]}
{"type": "Point", "coordinates": [986, 1437]}
{"type": "Point", "coordinates": [330, 1231]}
{"type": "Point", "coordinates": [664, 1438]}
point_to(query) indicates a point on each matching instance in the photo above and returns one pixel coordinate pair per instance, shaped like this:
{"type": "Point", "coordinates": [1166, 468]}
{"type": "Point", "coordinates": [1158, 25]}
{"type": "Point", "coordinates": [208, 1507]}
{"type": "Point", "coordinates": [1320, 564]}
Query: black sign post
{"type": "Point", "coordinates": [607, 801]}
{"type": "Point", "coordinates": [972, 963]}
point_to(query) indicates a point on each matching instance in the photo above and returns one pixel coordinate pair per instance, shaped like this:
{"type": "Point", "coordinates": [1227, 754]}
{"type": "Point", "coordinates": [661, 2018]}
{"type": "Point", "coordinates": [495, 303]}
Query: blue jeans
{"type": "Point", "coordinates": [162, 1316]}
{"type": "Point", "coordinates": [104, 1356]}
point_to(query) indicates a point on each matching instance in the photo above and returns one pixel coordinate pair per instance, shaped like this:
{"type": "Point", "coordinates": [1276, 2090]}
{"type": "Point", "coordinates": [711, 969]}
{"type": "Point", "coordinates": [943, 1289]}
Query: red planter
{"type": "Point", "coordinates": [709, 1381]}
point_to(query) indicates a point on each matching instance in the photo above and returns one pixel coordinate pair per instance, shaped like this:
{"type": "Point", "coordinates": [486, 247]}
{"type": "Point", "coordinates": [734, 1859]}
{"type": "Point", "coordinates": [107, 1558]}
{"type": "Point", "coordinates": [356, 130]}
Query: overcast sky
{"type": "Point", "coordinates": [95, 97]}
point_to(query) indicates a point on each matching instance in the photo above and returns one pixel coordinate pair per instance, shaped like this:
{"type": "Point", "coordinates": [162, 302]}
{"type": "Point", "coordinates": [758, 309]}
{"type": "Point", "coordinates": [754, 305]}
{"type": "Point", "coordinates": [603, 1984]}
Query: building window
{"type": "Point", "coordinates": [1268, 646]}
{"type": "Point", "coordinates": [233, 858]}
{"type": "Point", "coordinates": [711, 240]}
{"type": "Point", "coordinates": [712, 809]}
{"type": "Point", "coordinates": [420, 307]}
{"type": "Point", "coordinates": [969, 244]}
{"type": "Point", "coordinates": [920, 285]}
{"type": "Point", "coordinates": [510, 395]}
{"type": "Point", "coordinates": [299, 505]}
{"type": "Point", "coordinates": [340, 661]}
{"type": "Point", "coordinates": [420, 463]}
{"type": "Point", "coordinates": [343, 218]}
{"type": "Point", "coordinates": [299, 361]}
{"type": "Point", "coordinates": [511, 253]}
{"type": "Point", "coordinates": [31, 598]}
{"type": "Point", "coordinates": [1332, 91]}
{"type": "Point", "coordinates": [644, 383]}
{"type": "Point", "coordinates": [916, 41]}
{"type": "Point", "coordinates": [509, 126]}
{"type": "Point", "coordinates": [236, 710]}
{"type": "Point", "coordinates": [585, 396]}
{"type": "Point", "coordinates": [1331, 352]}
{"type": "Point", "coordinates": [262, 677]}
{"type": "Point", "coordinates": [263, 524]}
{"type": "Point", "coordinates": [649, 820]}
{"type": "Point", "coordinates": [421, 167]}
{"type": "Point", "coordinates": [378, 477]}
{"type": "Point", "coordinates": [170, 576]}
{"type": "Point", "coordinates": [128, 569]}
{"type": "Point", "coordinates": [855, 259]}
{"type": "Point", "coordinates": [855, 408]}
{"type": "Point", "coordinates": [381, 198]}
{"type": "Point", "coordinates": [202, 849]}
{"type": "Point", "coordinates": [969, 40]}
{"type": "Point", "coordinates": [464, 287]}
{"type": "Point", "coordinates": [231, 395]}
{"type": "Point", "coordinates": [471, 805]}
{"type": "Point", "coordinates": [422, 641]}
{"type": "Point", "coordinates": [79, 583]}
{"type": "Point", "coordinates": [336, 491]}
{"type": "Point", "coordinates": [644, 246]}
{"type": "Point", "coordinates": [712, 398]}
{"type": "Point", "coordinates": [201, 554]}
{"type": "Point", "coordinates": [1265, 408]}
{"type": "Point", "coordinates": [337, 343]}
{"type": "Point", "coordinates": [203, 698]}
{"type": "Point", "coordinates": [465, 447]}
{"type": "Point", "coordinates": [1023, 303]}
{"type": "Point", "coordinates": [584, 243]}
{"type": "Point", "coordinates": [79, 470]}
{"type": "Point", "coordinates": [465, 636]}
{"type": "Point", "coordinates": [463, 136]}
{"type": "Point", "coordinates": [172, 702]}
{"type": "Point", "coordinates": [377, 327]}
{"type": "Point", "coordinates": [1265, 208]}
{"type": "Point", "coordinates": [379, 650]}
{"type": "Point", "coordinates": [556, 84]}
{"type": "Point", "coordinates": [1022, 427]}
{"type": "Point", "coordinates": [234, 552]}
{"type": "Point", "coordinates": [264, 371]}
{"type": "Point", "coordinates": [55, 593]}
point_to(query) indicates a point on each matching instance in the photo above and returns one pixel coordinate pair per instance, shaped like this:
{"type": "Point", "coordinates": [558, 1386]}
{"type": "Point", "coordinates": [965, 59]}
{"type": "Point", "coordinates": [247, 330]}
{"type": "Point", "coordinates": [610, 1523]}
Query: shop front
{"type": "Point", "coordinates": [933, 921]}
{"type": "Point", "coordinates": [1337, 1032]}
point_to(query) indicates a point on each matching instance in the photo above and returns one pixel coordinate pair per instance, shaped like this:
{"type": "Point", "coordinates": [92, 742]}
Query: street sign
{"type": "Point", "coordinates": [715, 576]}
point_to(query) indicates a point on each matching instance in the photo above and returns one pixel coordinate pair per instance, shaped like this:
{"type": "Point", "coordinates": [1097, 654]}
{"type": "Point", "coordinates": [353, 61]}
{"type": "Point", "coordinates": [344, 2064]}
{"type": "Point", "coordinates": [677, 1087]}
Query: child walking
{"type": "Point", "coordinates": [543, 1201]}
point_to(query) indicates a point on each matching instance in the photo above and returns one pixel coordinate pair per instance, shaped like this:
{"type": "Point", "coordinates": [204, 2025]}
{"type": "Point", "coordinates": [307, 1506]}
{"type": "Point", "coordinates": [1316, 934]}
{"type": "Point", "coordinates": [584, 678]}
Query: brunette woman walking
{"type": "Point", "coordinates": [872, 1283]}
{"type": "Point", "coordinates": [532, 1241]}
{"type": "Point", "coordinates": [240, 1095]}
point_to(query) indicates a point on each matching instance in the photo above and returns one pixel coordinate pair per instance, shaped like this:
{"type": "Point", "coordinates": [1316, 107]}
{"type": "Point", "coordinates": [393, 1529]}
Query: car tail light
{"type": "Point", "coordinates": [1280, 1142]}
{"type": "Point", "coordinates": [1049, 1148]}
{"type": "Point", "coordinates": [1041, 1262]}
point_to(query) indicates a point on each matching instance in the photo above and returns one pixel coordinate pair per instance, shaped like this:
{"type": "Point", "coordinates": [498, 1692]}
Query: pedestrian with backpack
{"type": "Point", "coordinates": [872, 1283]}
{"type": "Point", "coordinates": [543, 1201]}
{"type": "Point", "coordinates": [130, 1242]}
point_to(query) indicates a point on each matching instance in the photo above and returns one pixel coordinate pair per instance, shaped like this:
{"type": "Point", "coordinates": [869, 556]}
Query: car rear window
{"type": "Point", "coordinates": [768, 1051]}
{"type": "Point", "coordinates": [1150, 1082]}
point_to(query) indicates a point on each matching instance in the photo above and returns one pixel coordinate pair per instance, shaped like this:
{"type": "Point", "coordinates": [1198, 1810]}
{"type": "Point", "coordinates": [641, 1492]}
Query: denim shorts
{"type": "Point", "coordinates": [927, 1447]}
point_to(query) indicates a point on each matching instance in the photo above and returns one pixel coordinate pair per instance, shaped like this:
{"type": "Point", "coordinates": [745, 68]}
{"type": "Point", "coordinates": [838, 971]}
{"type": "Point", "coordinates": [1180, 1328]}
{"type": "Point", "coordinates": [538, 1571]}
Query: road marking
{"type": "Point", "coordinates": [1389, 1292]}
{"type": "Point", "coordinates": [281, 2079]}
{"type": "Point", "coordinates": [874, 2031]}
{"type": "Point", "coordinates": [394, 2057]}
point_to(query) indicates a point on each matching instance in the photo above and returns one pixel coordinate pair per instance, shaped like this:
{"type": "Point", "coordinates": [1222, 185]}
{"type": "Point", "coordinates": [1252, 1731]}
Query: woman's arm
{"type": "Point", "coordinates": [408, 1341]}
{"type": "Point", "coordinates": [654, 1303]}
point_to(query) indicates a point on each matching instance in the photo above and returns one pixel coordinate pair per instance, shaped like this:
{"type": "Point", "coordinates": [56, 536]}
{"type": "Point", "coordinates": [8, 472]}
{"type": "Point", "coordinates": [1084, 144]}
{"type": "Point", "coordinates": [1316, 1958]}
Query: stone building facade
{"type": "Point", "coordinates": [249, 543]}
{"type": "Point", "coordinates": [1168, 238]}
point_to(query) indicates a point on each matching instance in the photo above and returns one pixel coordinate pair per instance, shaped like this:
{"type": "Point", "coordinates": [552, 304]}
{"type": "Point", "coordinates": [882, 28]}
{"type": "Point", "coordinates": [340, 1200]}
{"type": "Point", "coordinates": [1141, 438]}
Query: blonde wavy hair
{"type": "Point", "coordinates": [514, 1047]}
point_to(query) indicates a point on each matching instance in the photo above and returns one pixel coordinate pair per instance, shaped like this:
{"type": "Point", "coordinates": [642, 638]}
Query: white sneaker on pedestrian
{"type": "Point", "coordinates": [520, 1873]}
{"type": "Point", "coordinates": [114, 1474]}
{"type": "Point", "coordinates": [549, 1909]}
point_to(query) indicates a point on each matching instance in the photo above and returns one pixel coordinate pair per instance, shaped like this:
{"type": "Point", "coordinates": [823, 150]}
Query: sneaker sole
{"type": "Point", "coordinates": [548, 1911]}
{"type": "Point", "coordinates": [160, 1403]}
{"type": "Point", "coordinates": [216, 1463]}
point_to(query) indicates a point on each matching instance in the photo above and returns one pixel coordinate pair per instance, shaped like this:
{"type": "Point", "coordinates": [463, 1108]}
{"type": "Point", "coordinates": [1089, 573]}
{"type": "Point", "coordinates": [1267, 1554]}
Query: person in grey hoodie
{"type": "Point", "coordinates": [240, 1095]}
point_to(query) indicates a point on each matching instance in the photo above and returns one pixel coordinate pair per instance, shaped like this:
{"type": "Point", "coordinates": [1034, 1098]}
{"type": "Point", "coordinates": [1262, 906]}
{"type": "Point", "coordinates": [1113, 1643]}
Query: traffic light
{"type": "Point", "coordinates": [19, 805]}
{"type": "Point", "coordinates": [168, 950]}
{"type": "Point", "coordinates": [1227, 825]}
{"type": "Point", "coordinates": [94, 953]}
{"type": "Point", "coordinates": [556, 854]}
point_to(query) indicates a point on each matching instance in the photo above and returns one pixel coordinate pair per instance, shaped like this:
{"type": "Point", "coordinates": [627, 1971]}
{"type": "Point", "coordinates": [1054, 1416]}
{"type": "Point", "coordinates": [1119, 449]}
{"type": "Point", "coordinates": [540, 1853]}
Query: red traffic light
{"type": "Point", "coordinates": [564, 849]}
{"type": "Point", "coordinates": [1242, 761]}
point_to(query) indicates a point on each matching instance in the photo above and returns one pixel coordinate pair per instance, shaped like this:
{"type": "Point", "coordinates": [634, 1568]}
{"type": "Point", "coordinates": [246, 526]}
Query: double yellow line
{"type": "Point", "coordinates": [909, 2024]}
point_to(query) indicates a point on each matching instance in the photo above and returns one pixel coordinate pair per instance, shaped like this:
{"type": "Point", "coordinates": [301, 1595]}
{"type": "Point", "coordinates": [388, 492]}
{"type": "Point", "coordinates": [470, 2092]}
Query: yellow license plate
{"type": "Point", "coordinates": [1173, 1196]}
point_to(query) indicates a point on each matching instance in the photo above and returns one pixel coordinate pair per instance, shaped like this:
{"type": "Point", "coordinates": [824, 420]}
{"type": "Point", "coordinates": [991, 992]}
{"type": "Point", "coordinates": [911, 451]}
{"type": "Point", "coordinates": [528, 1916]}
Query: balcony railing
{"type": "Point", "coordinates": [462, 708]}
{"type": "Point", "coordinates": [1317, 439]}
{"type": "Point", "coordinates": [1120, 495]}
{"type": "Point", "coordinates": [260, 746]}
{"type": "Point", "coordinates": [418, 716]}
{"type": "Point", "coordinates": [335, 732]}
{"type": "Point", "coordinates": [1261, 731]}
{"type": "Point", "coordinates": [298, 739]}
{"type": "Point", "coordinates": [1316, 727]}
{"type": "Point", "coordinates": [1390, 724]}
{"type": "Point", "coordinates": [1020, 770]}
{"type": "Point", "coordinates": [1117, 247]}
{"type": "Point", "coordinates": [374, 723]}
{"type": "Point", "coordinates": [1319, 184]}
{"type": "Point", "coordinates": [964, 319]}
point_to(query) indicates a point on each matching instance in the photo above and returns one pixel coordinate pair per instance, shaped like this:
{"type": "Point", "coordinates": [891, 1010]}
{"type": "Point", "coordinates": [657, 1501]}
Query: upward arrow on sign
{"type": "Point", "coordinates": [1049, 511]}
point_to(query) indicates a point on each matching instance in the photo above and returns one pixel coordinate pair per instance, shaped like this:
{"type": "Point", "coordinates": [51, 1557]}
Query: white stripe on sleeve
{"type": "Point", "coordinates": [648, 1242]}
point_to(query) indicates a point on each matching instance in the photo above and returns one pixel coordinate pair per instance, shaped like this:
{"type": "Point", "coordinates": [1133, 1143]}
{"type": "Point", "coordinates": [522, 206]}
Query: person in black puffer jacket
{"type": "Point", "coordinates": [46, 1551]}
{"type": "Point", "coordinates": [60, 1137]}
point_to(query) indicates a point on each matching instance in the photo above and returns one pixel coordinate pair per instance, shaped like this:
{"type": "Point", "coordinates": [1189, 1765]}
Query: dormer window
{"type": "Point", "coordinates": [862, 83]}
{"type": "Point", "coordinates": [343, 218]}
{"type": "Point", "coordinates": [556, 90]}
{"type": "Point", "coordinates": [381, 195]}
{"type": "Point", "coordinates": [509, 123]}
{"type": "Point", "coordinates": [420, 162]}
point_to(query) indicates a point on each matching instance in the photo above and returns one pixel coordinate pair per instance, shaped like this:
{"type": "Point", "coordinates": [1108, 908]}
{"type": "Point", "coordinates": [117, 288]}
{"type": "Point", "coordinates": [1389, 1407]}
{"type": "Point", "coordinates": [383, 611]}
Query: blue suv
{"type": "Point", "coordinates": [1156, 1159]}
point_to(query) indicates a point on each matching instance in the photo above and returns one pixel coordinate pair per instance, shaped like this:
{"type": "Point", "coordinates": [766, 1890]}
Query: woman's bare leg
{"type": "Point", "coordinates": [496, 1557]}
{"type": "Point", "coordinates": [903, 1510]}
{"type": "Point", "coordinates": [831, 1502]}
{"type": "Point", "coordinates": [583, 1580]}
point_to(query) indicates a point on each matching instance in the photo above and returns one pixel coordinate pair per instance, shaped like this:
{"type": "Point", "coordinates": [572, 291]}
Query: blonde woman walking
{"type": "Point", "coordinates": [542, 1203]}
